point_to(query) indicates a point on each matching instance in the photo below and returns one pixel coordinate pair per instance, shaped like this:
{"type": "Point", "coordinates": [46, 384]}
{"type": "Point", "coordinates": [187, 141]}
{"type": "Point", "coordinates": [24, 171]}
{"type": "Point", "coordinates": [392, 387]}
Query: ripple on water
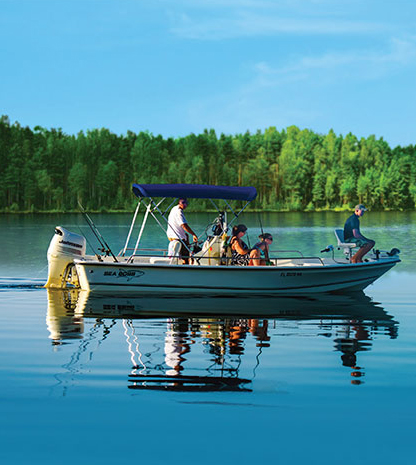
{"type": "Point", "coordinates": [21, 283]}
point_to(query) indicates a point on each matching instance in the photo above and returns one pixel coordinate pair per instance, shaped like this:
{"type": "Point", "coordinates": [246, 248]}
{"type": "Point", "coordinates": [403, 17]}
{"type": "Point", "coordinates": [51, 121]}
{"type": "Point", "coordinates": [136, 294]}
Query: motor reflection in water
{"type": "Point", "coordinates": [188, 331]}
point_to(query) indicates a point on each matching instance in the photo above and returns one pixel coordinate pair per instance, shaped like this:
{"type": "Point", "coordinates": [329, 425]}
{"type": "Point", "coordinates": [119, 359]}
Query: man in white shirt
{"type": "Point", "coordinates": [177, 230]}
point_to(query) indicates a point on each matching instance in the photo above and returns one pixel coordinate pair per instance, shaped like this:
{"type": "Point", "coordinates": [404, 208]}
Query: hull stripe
{"type": "Point", "coordinates": [352, 282]}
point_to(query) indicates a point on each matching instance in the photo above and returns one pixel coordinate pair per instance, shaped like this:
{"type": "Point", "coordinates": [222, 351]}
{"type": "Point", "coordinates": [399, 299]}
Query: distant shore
{"type": "Point", "coordinates": [322, 210]}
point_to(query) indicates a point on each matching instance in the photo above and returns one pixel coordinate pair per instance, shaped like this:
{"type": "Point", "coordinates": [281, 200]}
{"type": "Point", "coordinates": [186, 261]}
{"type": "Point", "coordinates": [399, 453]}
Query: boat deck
{"type": "Point", "coordinates": [215, 261]}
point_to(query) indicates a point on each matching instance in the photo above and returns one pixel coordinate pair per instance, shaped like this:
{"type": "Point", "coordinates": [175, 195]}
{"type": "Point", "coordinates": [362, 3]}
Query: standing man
{"type": "Point", "coordinates": [177, 230]}
{"type": "Point", "coordinates": [352, 234]}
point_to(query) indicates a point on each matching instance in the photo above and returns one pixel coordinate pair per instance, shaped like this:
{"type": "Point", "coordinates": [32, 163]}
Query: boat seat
{"type": "Point", "coordinates": [346, 246]}
{"type": "Point", "coordinates": [156, 260]}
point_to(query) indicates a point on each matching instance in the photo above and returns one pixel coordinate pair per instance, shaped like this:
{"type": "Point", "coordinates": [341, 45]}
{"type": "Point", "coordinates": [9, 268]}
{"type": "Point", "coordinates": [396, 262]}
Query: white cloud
{"type": "Point", "coordinates": [230, 19]}
{"type": "Point", "coordinates": [361, 64]}
{"type": "Point", "coordinates": [250, 24]}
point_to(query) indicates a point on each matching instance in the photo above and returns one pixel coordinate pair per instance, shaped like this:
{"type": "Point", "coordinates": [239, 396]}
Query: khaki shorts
{"type": "Point", "coordinates": [359, 242]}
{"type": "Point", "coordinates": [183, 252]}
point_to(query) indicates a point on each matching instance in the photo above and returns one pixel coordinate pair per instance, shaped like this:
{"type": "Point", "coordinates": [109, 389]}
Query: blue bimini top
{"type": "Point", "coordinates": [195, 191]}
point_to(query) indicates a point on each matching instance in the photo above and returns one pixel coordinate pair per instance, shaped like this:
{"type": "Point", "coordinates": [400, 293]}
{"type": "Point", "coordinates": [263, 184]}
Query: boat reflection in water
{"type": "Point", "coordinates": [216, 330]}
{"type": "Point", "coordinates": [63, 325]}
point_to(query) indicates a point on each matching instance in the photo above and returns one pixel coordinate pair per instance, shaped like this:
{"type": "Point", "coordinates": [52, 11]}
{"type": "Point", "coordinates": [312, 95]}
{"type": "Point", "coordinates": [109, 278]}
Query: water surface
{"type": "Point", "coordinates": [99, 379]}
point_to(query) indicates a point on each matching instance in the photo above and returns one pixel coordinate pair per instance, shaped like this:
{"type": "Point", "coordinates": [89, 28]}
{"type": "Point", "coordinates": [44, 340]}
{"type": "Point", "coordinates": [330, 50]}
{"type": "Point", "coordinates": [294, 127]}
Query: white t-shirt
{"type": "Point", "coordinates": [176, 220]}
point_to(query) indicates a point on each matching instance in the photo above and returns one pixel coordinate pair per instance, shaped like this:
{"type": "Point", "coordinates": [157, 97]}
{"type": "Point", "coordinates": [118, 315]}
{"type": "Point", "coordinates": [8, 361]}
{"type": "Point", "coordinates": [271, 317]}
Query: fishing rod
{"type": "Point", "coordinates": [91, 246]}
{"type": "Point", "coordinates": [261, 225]}
{"type": "Point", "coordinates": [104, 246]}
{"type": "Point", "coordinates": [266, 250]}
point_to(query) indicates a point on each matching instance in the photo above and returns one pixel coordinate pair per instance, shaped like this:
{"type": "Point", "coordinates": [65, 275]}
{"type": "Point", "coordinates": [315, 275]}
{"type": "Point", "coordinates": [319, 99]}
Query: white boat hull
{"type": "Point", "coordinates": [223, 280]}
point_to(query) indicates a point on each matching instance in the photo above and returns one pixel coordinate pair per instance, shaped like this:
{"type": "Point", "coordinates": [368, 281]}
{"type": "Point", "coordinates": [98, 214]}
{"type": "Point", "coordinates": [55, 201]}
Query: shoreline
{"type": "Point", "coordinates": [321, 210]}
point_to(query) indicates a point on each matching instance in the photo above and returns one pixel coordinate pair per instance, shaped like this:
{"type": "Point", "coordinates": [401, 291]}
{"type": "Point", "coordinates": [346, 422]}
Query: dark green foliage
{"type": "Point", "coordinates": [47, 170]}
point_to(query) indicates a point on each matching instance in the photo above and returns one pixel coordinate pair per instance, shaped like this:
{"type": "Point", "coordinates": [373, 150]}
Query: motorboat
{"type": "Point", "coordinates": [209, 271]}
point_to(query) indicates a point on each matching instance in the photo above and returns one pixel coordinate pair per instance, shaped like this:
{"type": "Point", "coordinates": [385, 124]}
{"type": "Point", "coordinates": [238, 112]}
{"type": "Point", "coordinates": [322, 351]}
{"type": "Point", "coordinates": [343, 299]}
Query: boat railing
{"type": "Point", "coordinates": [297, 261]}
{"type": "Point", "coordinates": [161, 254]}
{"type": "Point", "coordinates": [285, 251]}
{"type": "Point", "coordinates": [165, 251]}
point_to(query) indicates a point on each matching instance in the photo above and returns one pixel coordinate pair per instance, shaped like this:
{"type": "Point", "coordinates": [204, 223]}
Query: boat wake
{"type": "Point", "coordinates": [21, 283]}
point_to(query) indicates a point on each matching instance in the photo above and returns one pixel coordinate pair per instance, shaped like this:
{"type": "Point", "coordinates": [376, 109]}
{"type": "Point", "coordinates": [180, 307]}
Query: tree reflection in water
{"type": "Point", "coordinates": [216, 335]}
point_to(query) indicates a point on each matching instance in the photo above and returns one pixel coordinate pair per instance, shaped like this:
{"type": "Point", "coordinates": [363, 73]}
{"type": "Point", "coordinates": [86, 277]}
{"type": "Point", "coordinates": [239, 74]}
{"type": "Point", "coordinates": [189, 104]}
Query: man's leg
{"type": "Point", "coordinates": [358, 257]}
{"type": "Point", "coordinates": [185, 253]}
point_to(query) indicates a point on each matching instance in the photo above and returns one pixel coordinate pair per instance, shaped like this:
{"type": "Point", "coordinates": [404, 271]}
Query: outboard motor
{"type": "Point", "coordinates": [64, 247]}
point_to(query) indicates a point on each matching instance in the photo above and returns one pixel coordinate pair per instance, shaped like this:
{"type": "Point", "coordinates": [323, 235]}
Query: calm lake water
{"type": "Point", "coordinates": [93, 380]}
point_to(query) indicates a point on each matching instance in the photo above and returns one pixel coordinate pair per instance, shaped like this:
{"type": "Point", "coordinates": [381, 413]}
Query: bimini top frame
{"type": "Point", "coordinates": [176, 191]}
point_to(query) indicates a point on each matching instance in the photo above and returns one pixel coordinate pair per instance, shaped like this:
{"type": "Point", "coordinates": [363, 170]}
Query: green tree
{"type": "Point", "coordinates": [78, 183]}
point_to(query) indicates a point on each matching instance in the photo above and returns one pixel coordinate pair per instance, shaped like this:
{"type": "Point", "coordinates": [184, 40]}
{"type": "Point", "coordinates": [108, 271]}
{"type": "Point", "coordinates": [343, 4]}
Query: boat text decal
{"type": "Point", "coordinates": [291, 273]}
{"type": "Point", "coordinates": [129, 274]}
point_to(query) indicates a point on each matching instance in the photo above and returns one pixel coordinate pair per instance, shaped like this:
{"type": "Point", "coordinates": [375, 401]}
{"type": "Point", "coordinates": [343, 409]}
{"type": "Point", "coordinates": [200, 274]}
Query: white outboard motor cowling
{"type": "Point", "coordinates": [64, 247]}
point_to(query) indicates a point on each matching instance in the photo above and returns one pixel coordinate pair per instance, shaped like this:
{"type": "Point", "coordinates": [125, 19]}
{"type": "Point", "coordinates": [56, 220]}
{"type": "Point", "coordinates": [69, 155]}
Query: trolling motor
{"type": "Point", "coordinates": [394, 251]}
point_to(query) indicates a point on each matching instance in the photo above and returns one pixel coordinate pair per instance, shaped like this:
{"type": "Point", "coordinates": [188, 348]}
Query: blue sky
{"type": "Point", "coordinates": [174, 67]}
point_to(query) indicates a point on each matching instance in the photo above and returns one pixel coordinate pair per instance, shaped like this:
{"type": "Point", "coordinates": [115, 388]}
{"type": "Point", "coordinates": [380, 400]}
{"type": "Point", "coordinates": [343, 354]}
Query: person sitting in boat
{"type": "Point", "coordinates": [239, 249]}
{"type": "Point", "coordinates": [259, 255]}
{"type": "Point", "coordinates": [352, 234]}
{"type": "Point", "coordinates": [177, 230]}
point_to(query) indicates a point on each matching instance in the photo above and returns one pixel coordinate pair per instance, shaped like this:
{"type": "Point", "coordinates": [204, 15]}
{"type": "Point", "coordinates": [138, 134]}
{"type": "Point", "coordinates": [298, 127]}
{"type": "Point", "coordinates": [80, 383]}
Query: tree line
{"type": "Point", "coordinates": [292, 169]}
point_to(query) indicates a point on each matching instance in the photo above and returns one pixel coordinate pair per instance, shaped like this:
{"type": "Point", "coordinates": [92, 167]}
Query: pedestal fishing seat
{"type": "Point", "coordinates": [346, 246]}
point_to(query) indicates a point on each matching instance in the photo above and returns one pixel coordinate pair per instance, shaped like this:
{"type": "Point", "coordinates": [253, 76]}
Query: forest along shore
{"type": "Point", "coordinates": [293, 170]}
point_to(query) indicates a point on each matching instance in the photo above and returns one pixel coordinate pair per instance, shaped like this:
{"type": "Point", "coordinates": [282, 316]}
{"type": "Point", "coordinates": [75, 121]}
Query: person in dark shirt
{"type": "Point", "coordinates": [352, 234]}
{"type": "Point", "coordinates": [240, 251]}
{"type": "Point", "coordinates": [259, 255]}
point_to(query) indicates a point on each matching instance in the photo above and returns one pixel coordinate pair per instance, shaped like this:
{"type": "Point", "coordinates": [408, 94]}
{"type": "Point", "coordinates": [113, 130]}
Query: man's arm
{"type": "Point", "coordinates": [358, 235]}
{"type": "Point", "coordinates": [356, 229]}
{"type": "Point", "coordinates": [188, 229]}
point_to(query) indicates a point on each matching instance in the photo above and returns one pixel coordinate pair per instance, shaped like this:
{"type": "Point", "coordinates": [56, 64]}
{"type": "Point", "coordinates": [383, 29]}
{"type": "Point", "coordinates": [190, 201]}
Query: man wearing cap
{"type": "Point", "coordinates": [352, 234]}
{"type": "Point", "coordinates": [177, 230]}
